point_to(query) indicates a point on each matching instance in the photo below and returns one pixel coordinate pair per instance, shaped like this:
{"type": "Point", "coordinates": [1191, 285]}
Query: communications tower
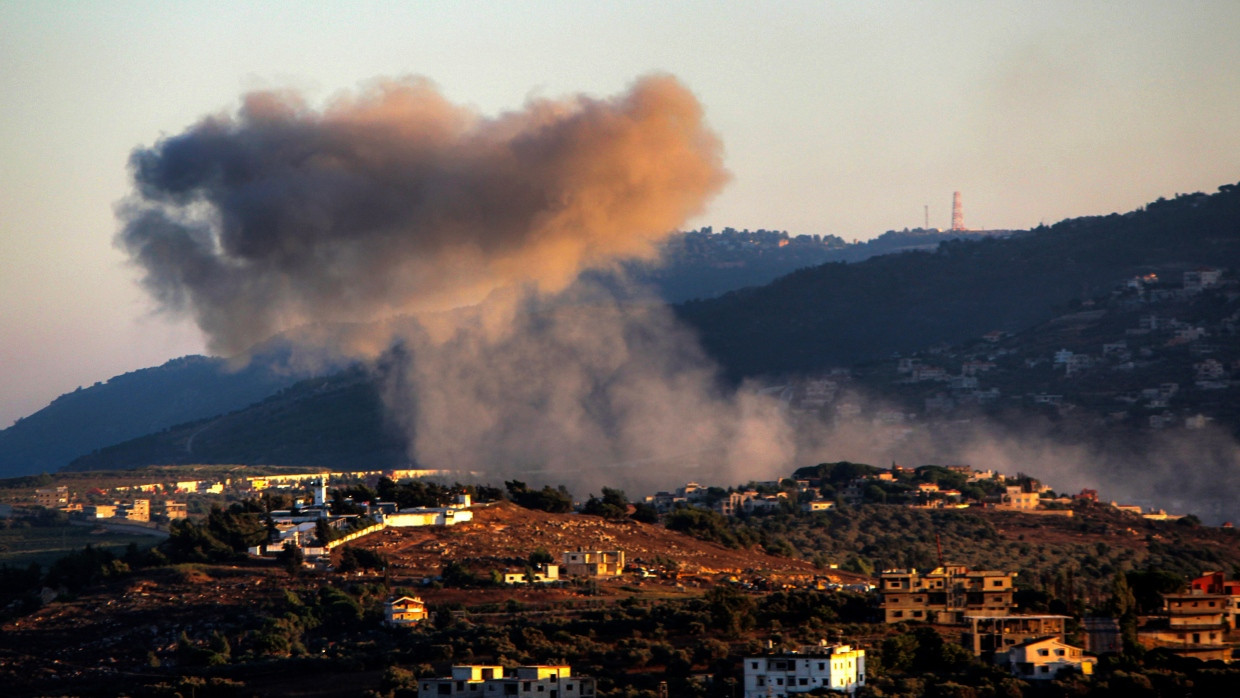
{"type": "Point", "coordinates": [957, 212]}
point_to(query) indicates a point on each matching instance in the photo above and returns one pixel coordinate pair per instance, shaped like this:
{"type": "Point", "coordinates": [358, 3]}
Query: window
{"type": "Point", "coordinates": [803, 682]}
{"type": "Point", "coordinates": [779, 682]}
{"type": "Point", "coordinates": [754, 665]}
{"type": "Point", "coordinates": [1043, 653]}
{"type": "Point", "coordinates": [761, 680]}
{"type": "Point", "coordinates": [822, 666]}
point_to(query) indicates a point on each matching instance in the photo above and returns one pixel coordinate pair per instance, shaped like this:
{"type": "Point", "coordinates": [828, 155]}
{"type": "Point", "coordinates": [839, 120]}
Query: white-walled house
{"type": "Point", "coordinates": [1044, 658]}
{"type": "Point", "coordinates": [835, 667]}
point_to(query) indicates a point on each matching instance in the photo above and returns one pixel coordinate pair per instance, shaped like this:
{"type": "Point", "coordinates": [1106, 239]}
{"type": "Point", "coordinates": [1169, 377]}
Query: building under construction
{"type": "Point", "coordinates": [945, 595]}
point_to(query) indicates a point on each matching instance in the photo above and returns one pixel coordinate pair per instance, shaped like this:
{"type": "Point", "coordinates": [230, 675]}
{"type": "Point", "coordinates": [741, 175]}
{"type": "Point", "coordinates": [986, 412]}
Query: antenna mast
{"type": "Point", "coordinates": [957, 212]}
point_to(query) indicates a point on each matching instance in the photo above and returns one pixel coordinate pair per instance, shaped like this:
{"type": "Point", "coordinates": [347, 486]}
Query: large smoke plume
{"type": "Point", "coordinates": [395, 200]}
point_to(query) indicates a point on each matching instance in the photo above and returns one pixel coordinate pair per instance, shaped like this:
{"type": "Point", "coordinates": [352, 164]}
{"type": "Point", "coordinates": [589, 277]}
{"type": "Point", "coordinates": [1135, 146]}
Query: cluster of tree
{"type": "Point", "coordinates": [354, 558]}
{"type": "Point", "coordinates": [225, 534]}
{"type": "Point", "coordinates": [420, 493]}
{"type": "Point", "coordinates": [710, 525]}
{"type": "Point", "coordinates": [555, 501]}
{"type": "Point", "coordinates": [21, 587]}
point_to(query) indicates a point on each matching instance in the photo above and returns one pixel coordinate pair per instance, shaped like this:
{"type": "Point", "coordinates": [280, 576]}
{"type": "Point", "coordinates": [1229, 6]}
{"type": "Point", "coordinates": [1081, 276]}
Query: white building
{"type": "Point", "coordinates": [834, 667]}
{"type": "Point", "coordinates": [1041, 660]}
{"type": "Point", "coordinates": [543, 574]}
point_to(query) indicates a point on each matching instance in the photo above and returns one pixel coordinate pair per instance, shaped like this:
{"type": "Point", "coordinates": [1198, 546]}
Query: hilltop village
{"type": "Point", "coordinates": [1152, 354]}
{"type": "Point", "coordinates": [394, 550]}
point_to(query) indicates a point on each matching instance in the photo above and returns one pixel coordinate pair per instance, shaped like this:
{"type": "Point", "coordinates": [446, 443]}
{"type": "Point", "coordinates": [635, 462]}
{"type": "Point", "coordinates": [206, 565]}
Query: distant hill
{"type": "Point", "coordinates": [133, 404]}
{"type": "Point", "coordinates": [840, 314]}
{"type": "Point", "coordinates": [335, 421]}
{"type": "Point", "coordinates": [704, 264]}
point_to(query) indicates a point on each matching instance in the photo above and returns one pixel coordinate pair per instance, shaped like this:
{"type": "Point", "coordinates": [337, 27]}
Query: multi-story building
{"type": "Point", "coordinates": [99, 511]}
{"type": "Point", "coordinates": [490, 681]}
{"type": "Point", "coordinates": [813, 667]}
{"type": "Point", "coordinates": [406, 610]}
{"type": "Point", "coordinates": [1216, 583]}
{"type": "Point", "coordinates": [989, 636]}
{"type": "Point", "coordinates": [170, 510]}
{"type": "Point", "coordinates": [1042, 659]}
{"type": "Point", "coordinates": [52, 497]}
{"type": "Point", "coordinates": [138, 510]}
{"type": "Point", "coordinates": [1192, 625]}
{"type": "Point", "coordinates": [593, 563]}
{"type": "Point", "coordinates": [945, 595]}
{"type": "Point", "coordinates": [1015, 497]}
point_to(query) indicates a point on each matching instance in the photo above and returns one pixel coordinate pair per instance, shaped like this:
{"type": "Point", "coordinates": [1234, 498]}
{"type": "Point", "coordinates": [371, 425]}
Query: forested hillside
{"type": "Point", "coordinates": [336, 422]}
{"type": "Point", "coordinates": [840, 314]}
{"type": "Point", "coordinates": [133, 404]}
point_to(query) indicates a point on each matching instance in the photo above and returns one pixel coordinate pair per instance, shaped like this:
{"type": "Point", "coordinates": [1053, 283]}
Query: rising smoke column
{"type": "Point", "coordinates": [394, 200]}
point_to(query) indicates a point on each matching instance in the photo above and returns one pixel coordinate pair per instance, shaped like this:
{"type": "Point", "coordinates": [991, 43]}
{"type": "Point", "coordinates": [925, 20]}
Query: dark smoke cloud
{"type": "Point", "coordinates": [394, 200]}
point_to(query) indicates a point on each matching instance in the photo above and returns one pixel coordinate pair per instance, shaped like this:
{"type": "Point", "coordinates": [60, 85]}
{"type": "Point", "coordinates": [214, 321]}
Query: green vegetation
{"type": "Point", "coordinates": [555, 501]}
{"type": "Point", "coordinates": [613, 505]}
{"type": "Point", "coordinates": [711, 526]}
{"type": "Point", "coordinates": [840, 314]}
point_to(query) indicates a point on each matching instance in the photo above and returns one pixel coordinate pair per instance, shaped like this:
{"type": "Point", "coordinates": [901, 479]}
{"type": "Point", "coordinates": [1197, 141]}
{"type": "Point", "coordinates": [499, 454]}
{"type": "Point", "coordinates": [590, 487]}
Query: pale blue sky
{"type": "Point", "coordinates": [837, 117]}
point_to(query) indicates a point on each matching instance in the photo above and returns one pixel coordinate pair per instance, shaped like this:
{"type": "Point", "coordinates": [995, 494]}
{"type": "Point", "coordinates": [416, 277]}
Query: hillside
{"type": "Point", "coordinates": [335, 421]}
{"type": "Point", "coordinates": [134, 404]}
{"type": "Point", "coordinates": [251, 628]}
{"type": "Point", "coordinates": [839, 314]}
{"type": "Point", "coordinates": [504, 533]}
{"type": "Point", "coordinates": [124, 633]}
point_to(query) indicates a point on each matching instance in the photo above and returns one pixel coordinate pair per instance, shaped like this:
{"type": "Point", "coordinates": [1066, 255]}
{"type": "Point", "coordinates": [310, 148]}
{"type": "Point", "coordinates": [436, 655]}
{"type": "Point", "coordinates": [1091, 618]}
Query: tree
{"type": "Point", "coordinates": [554, 501]}
{"type": "Point", "coordinates": [644, 513]}
{"type": "Point", "coordinates": [1122, 601]}
{"type": "Point", "coordinates": [613, 505]}
{"type": "Point", "coordinates": [731, 611]}
{"type": "Point", "coordinates": [324, 532]}
{"type": "Point", "coordinates": [291, 557]}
